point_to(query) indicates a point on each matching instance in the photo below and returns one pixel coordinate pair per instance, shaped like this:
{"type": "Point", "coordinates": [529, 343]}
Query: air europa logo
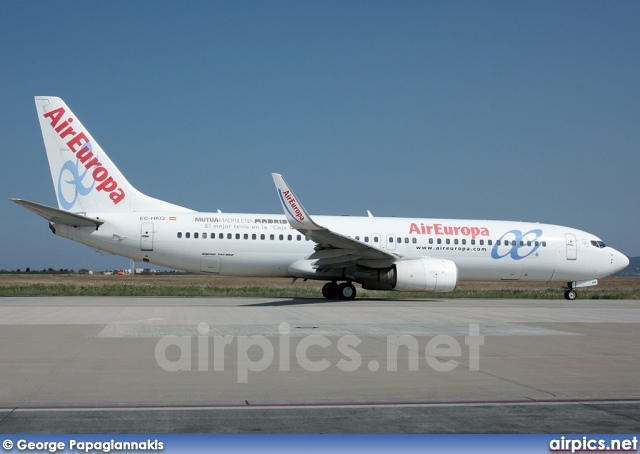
{"type": "Point", "coordinates": [516, 244]}
{"type": "Point", "coordinates": [77, 181]}
{"type": "Point", "coordinates": [439, 229]}
{"type": "Point", "coordinates": [292, 208]}
{"type": "Point", "coordinates": [79, 145]}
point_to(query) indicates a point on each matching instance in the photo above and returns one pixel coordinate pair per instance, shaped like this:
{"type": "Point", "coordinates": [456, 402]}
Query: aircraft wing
{"type": "Point", "coordinates": [59, 216]}
{"type": "Point", "coordinates": [333, 250]}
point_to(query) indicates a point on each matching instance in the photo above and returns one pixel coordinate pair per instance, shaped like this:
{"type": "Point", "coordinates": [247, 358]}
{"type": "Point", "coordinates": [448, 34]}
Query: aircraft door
{"type": "Point", "coordinates": [572, 246]}
{"type": "Point", "coordinates": [512, 273]}
{"type": "Point", "coordinates": [210, 264]}
{"type": "Point", "coordinates": [146, 236]}
{"type": "Point", "coordinates": [391, 242]}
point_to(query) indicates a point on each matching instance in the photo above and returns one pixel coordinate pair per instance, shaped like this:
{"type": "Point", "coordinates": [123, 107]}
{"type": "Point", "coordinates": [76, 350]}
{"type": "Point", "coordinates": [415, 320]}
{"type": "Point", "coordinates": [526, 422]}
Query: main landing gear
{"type": "Point", "coordinates": [344, 291]}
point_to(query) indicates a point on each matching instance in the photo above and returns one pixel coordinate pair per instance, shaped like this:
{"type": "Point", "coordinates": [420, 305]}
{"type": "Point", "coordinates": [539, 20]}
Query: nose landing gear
{"type": "Point", "coordinates": [571, 294]}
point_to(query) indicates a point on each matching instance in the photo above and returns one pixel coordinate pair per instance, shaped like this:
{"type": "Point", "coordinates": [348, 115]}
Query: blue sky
{"type": "Point", "coordinates": [453, 109]}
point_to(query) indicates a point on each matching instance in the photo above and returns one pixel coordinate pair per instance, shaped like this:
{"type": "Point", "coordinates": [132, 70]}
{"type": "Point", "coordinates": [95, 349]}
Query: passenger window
{"type": "Point", "coordinates": [187, 235]}
{"type": "Point", "coordinates": [455, 241]}
{"type": "Point", "coordinates": [262, 237]}
{"type": "Point", "coordinates": [390, 239]}
{"type": "Point", "coordinates": [281, 237]}
{"type": "Point", "coordinates": [414, 240]}
{"type": "Point", "coordinates": [473, 241]}
{"type": "Point", "coordinates": [229, 236]}
{"type": "Point", "coordinates": [489, 242]}
{"type": "Point", "coordinates": [448, 241]}
{"type": "Point", "coordinates": [179, 234]}
{"type": "Point", "coordinates": [221, 236]}
{"type": "Point", "coordinates": [544, 244]}
{"type": "Point", "coordinates": [246, 236]}
{"type": "Point", "coordinates": [366, 239]}
{"type": "Point", "coordinates": [528, 243]}
{"type": "Point", "coordinates": [254, 236]}
{"type": "Point", "coordinates": [481, 242]}
{"type": "Point", "coordinates": [204, 235]}
{"type": "Point", "coordinates": [299, 237]}
{"type": "Point", "coordinates": [439, 240]}
{"type": "Point", "coordinates": [272, 237]}
{"type": "Point", "coordinates": [375, 239]}
{"type": "Point", "coordinates": [430, 240]}
{"type": "Point", "coordinates": [358, 238]}
{"type": "Point", "coordinates": [289, 237]}
{"type": "Point", "coordinates": [464, 241]}
{"type": "Point", "coordinates": [237, 236]}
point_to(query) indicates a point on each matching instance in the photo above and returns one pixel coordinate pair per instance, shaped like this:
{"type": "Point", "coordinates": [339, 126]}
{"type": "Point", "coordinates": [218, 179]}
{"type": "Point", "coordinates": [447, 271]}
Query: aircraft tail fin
{"type": "Point", "coordinates": [84, 178]}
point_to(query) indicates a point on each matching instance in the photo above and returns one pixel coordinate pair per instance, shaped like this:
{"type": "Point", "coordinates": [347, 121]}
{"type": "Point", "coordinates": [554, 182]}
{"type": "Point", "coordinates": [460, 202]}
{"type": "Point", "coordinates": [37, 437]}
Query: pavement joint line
{"type": "Point", "coordinates": [587, 402]}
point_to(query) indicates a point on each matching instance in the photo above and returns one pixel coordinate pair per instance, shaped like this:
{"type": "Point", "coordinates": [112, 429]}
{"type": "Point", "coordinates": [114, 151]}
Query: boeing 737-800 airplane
{"type": "Point", "coordinates": [98, 207]}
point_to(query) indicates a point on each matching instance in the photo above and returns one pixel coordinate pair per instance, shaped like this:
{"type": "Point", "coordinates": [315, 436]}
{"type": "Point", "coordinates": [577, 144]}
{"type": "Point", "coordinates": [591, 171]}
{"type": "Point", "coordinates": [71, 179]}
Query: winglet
{"type": "Point", "coordinates": [294, 211]}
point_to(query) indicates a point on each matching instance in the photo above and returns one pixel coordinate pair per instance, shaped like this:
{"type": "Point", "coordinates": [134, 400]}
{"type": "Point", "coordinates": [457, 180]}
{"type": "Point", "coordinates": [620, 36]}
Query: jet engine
{"type": "Point", "coordinates": [426, 274]}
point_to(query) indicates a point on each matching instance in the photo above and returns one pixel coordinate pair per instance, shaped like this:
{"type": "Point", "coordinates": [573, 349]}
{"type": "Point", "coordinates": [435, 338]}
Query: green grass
{"type": "Point", "coordinates": [141, 289]}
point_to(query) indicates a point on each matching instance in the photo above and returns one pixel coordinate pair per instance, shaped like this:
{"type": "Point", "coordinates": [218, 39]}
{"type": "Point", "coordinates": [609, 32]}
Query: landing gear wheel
{"type": "Point", "coordinates": [346, 291]}
{"type": "Point", "coordinates": [570, 294]}
{"type": "Point", "coordinates": [330, 290]}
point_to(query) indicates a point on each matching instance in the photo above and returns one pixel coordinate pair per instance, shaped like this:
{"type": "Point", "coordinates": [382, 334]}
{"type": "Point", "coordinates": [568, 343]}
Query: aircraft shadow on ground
{"type": "Point", "coordinates": [305, 301]}
{"type": "Point", "coordinates": [292, 302]}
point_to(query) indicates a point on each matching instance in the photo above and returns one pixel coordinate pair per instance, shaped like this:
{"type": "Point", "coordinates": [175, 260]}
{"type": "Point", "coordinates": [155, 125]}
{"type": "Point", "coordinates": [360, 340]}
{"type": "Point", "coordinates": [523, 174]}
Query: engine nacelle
{"type": "Point", "coordinates": [418, 275]}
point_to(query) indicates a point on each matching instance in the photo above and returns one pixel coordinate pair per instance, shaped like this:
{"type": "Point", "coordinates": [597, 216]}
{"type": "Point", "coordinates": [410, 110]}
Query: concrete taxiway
{"type": "Point", "coordinates": [138, 365]}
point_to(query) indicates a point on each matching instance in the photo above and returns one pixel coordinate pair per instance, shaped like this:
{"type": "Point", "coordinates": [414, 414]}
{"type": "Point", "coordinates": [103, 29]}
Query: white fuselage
{"type": "Point", "coordinates": [98, 207]}
{"type": "Point", "coordinates": [265, 245]}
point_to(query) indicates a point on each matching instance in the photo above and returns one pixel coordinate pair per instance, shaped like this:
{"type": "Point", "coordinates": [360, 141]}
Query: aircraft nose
{"type": "Point", "coordinates": [621, 261]}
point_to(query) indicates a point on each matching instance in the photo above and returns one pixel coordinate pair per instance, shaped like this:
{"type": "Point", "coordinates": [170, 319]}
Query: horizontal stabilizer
{"type": "Point", "coordinates": [59, 216]}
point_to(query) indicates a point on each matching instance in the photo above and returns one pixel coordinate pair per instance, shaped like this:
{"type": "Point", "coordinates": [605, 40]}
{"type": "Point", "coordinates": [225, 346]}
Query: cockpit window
{"type": "Point", "coordinates": [598, 244]}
